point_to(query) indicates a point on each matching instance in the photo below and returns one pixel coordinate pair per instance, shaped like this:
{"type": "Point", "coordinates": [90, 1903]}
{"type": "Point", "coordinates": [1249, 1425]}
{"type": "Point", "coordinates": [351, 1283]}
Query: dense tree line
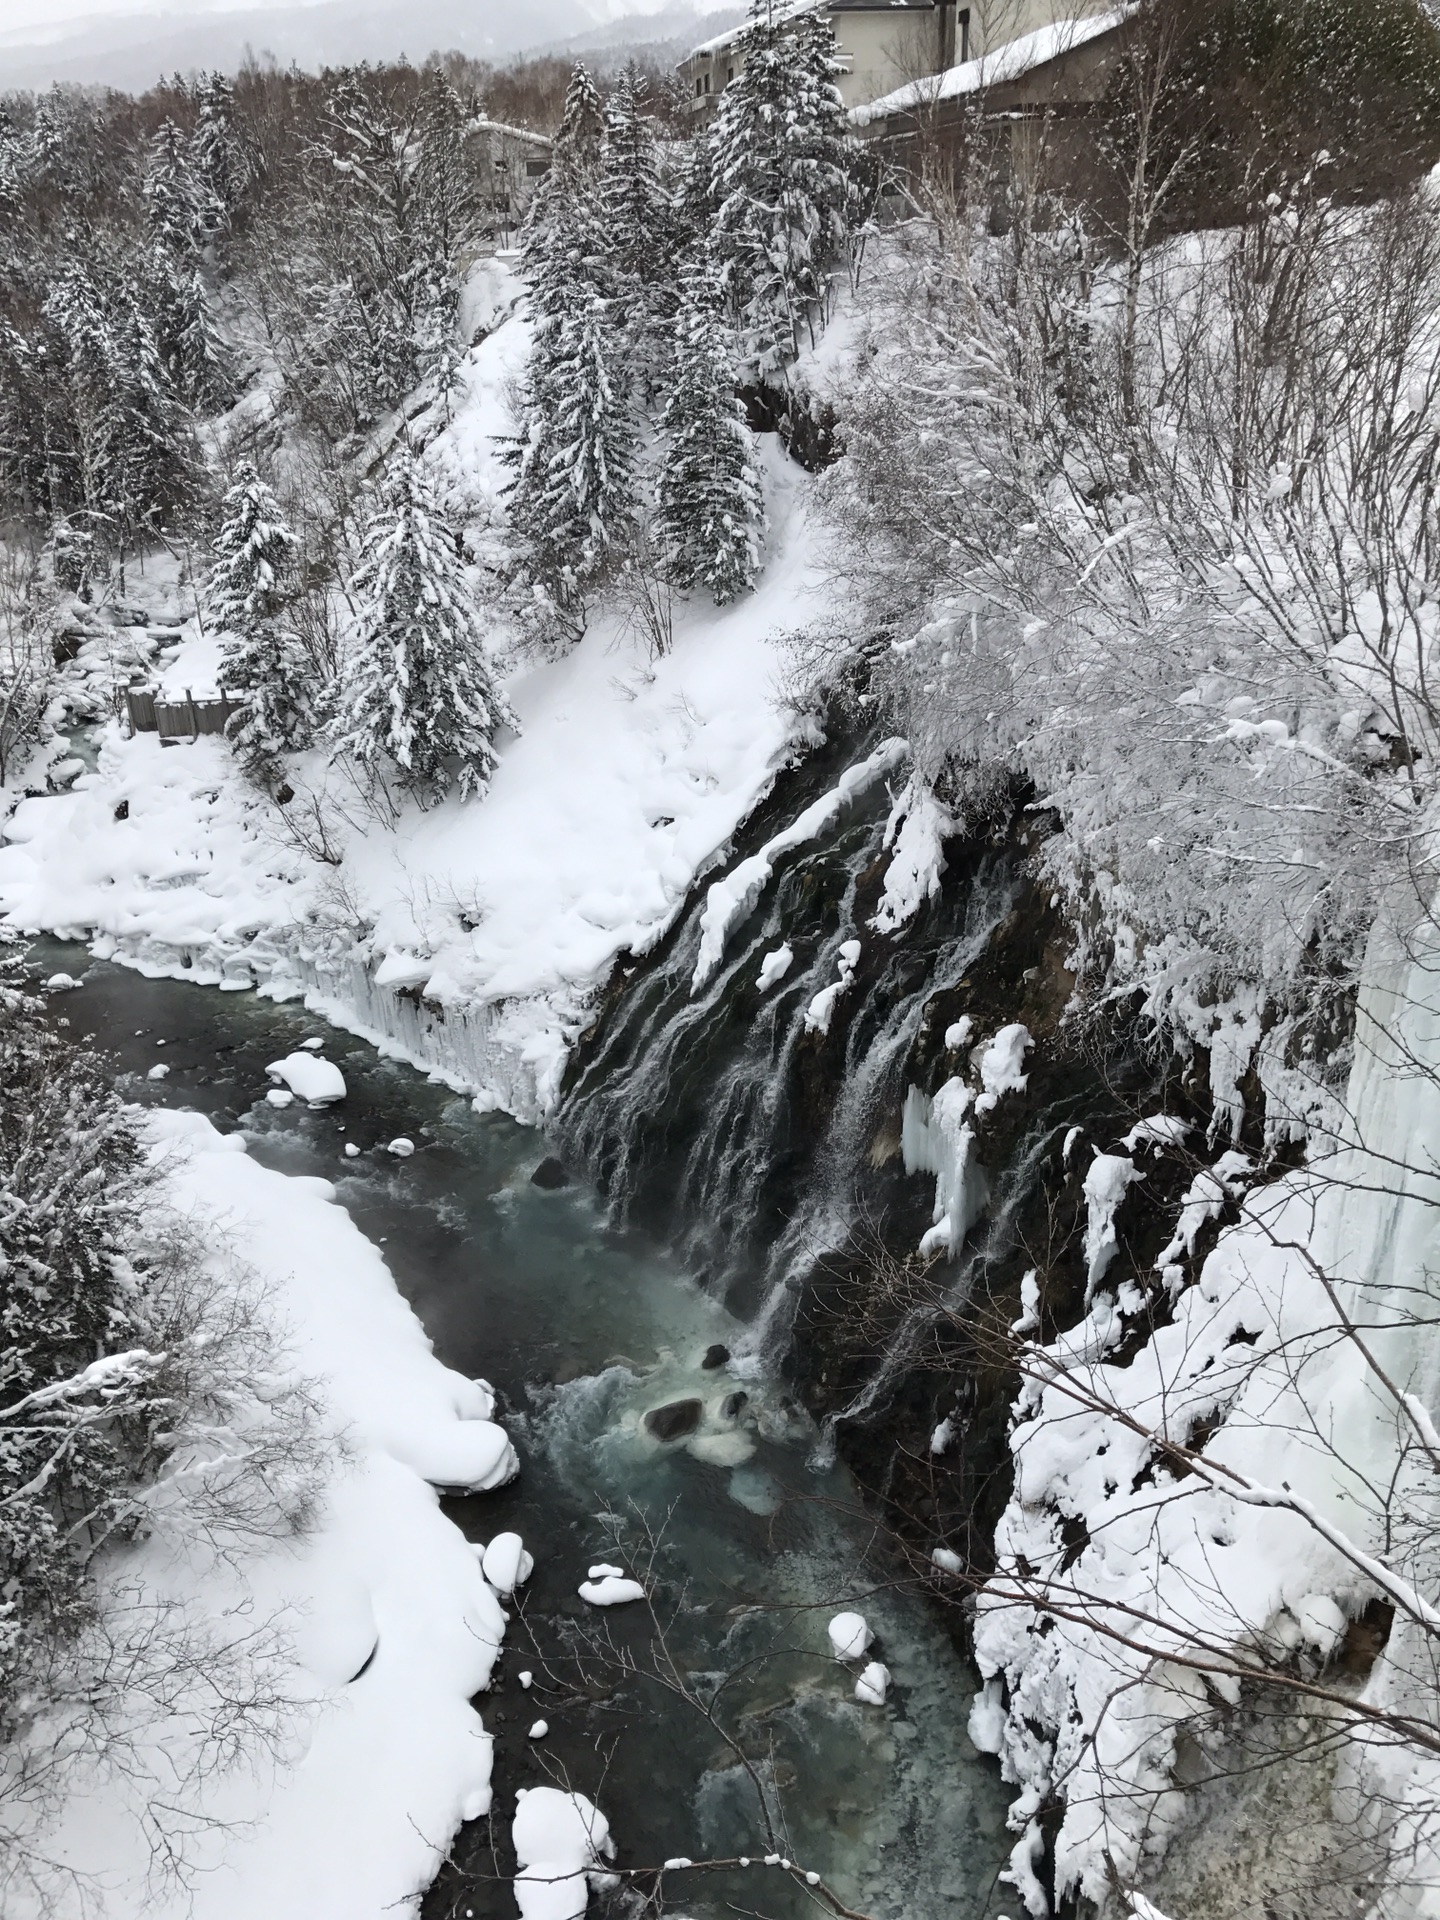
{"type": "Point", "coordinates": [658, 293]}
{"type": "Point", "coordinates": [217, 299]}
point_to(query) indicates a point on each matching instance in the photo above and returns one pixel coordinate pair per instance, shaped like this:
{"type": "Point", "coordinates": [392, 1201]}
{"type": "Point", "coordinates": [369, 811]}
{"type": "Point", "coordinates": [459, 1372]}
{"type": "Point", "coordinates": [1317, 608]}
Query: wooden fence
{"type": "Point", "coordinates": [172, 719]}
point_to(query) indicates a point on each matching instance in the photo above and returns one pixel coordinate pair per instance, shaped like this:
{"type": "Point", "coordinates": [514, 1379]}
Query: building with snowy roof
{"type": "Point", "coordinates": [884, 45]}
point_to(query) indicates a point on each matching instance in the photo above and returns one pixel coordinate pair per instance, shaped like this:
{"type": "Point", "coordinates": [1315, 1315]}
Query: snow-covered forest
{"type": "Point", "coordinates": [841, 710]}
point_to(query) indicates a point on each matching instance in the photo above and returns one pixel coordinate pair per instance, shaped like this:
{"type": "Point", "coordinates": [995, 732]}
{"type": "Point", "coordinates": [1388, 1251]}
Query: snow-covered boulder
{"type": "Point", "coordinates": [612, 1591]}
{"type": "Point", "coordinates": [506, 1564]}
{"type": "Point", "coordinates": [560, 1841]}
{"type": "Point", "coordinates": [873, 1685]}
{"type": "Point", "coordinates": [318, 1081]}
{"type": "Point", "coordinates": [850, 1635]}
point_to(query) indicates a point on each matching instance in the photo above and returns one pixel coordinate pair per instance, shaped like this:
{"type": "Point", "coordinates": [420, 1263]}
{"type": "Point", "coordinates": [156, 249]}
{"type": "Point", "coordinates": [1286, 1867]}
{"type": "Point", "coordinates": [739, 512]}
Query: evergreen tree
{"type": "Point", "coordinates": [250, 583]}
{"type": "Point", "coordinates": [88, 406]}
{"type": "Point", "coordinates": [447, 182]}
{"type": "Point", "coordinates": [780, 182]}
{"type": "Point", "coordinates": [572, 502]}
{"type": "Point", "coordinates": [417, 692]}
{"type": "Point", "coordinates": [641, 226]}
{"type": "Point", "coordinates": [174, 197]}
{"type": "Point", "coordinates": [185, 333]}
{"type": "Point", "coordinates": [157, 465]}
{"type": "Point", "coordinates": [217, 155]}
{"type": "Point", "coordinates": [710, 506]}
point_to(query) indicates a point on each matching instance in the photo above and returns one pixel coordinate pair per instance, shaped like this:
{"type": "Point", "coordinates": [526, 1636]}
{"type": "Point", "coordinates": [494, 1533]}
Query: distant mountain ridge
{"type": "Point", "coordinates": [133, 51]}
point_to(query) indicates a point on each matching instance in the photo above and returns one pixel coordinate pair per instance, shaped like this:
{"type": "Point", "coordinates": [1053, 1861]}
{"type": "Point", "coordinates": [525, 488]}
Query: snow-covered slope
{"type": "Point", "coordinates": [628, 776]}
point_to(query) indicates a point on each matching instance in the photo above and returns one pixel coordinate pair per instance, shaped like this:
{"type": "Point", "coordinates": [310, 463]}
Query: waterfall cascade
{"type": "Point", "coordinates": [758, 1099]}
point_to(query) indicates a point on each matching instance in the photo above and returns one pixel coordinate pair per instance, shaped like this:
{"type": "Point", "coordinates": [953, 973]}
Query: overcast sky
{"type": "Point", "coordinates": [45, 13]}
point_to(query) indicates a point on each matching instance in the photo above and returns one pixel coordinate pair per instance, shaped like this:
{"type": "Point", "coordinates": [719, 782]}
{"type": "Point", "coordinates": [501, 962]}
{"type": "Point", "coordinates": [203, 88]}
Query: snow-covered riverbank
{"type": "Point", "coordinates": [379, 1623]}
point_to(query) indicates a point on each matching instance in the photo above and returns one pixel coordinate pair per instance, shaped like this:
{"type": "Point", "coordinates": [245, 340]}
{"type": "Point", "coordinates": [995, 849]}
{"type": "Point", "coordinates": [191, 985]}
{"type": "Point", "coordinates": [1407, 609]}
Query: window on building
{"type": "Point", "coordinates": [536, 167]}
{"type": "Point", "coordinates": [707, 83]}
{"type": "Point", "coordinates": [962, 35]}
{"type": "Point", "coordinates": [699, 86]}
{"type": "Point", "coordinates": [729, 75]}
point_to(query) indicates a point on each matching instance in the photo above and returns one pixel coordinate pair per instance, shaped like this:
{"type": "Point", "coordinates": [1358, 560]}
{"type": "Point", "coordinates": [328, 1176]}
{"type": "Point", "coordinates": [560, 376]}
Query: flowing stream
{"type": "Point", "coordinates": [583, 1327]}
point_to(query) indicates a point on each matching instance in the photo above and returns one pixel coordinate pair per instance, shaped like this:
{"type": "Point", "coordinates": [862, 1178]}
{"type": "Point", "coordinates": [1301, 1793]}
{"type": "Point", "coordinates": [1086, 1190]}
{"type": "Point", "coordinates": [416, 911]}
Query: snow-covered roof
{"type": "Point", "coordinates": [798, 8]}
{"type": "Point", "coordinates": [1009, 62]}
{"type": "Point", "coordinates": [482, 125]}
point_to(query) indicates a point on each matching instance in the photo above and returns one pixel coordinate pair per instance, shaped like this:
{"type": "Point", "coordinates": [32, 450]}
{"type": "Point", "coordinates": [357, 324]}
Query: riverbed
{"type": "Point", "coordinates": [675, 1722]}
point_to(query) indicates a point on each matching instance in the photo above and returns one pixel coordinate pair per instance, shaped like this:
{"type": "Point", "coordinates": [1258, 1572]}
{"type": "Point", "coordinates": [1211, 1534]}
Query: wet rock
{"type": "Point", "coordinates": [715, 1356]}
{"type": "Point", "coordinates": [733, 1405]}
{"type": "Point", "coordinates": [674, 1421]}
{"type": "Point", "coordinates": [549, 1175]}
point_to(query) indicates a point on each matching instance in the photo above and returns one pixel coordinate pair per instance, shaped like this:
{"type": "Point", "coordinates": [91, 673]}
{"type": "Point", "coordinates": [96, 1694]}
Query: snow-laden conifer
{"type": "Point", "coordinates": [186, 335]}
{"type": "Point", "coordinates": [217, 154]}
{"type": "Point", "coordinates": [780, 183]}
{"type": "Point", "coordinates": [418, 696]}
{"type": "Point", "coordinates": [710, 506]}
{"type": "Point", "coordinates": [641, 228]}
{"type": "Point", "coordinates": [262, 662]}
{"type": "Point", "coordinates": [572, 502]}
{"type": "Point", "coordinates": [174, 197]}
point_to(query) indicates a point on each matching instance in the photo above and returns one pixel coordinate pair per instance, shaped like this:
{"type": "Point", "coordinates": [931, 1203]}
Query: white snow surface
{"type": "Point", "coordinates": [318, 1081]}
{"type": "Point", "coordinates": [354, 1822]}
{"type": "Point", "coordinates": [628, 777]}
{"type": "Point", "coordinates": [559, 1840]}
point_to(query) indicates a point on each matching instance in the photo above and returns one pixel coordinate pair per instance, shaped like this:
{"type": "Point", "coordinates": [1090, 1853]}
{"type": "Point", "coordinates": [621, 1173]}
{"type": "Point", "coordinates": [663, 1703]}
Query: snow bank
{"type": "Point", "coordinates": [392, 1625]}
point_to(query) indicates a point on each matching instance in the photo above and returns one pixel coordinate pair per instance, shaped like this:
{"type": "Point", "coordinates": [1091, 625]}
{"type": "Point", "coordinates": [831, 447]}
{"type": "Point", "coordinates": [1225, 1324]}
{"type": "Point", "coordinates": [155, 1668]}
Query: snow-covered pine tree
{"type": "Point", "coordinates": [156, 462]}
{"type": "Point", "coordinates": [417, 694]}
{"type": "Point", "coordinates": [185, 332]}
{"type": "Point", "coordinates": [572, 502]}
{"type": "Point", "coordinates": [446, 180]}
{"type": "Point", "coordinates": [262, 661]}
{"type": "Point", "coordinates": [780, 183]}
{"type": "Point", "coordinates": [89, 477]}
{"type": "Point", "coordinates": [641, 227]}
{"type": "Point", "coordinates": [710, 503]}
{"type": "Point", "coordinates": [217, 155]}
{"type": "Point", "coordinates": [174, 197]}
